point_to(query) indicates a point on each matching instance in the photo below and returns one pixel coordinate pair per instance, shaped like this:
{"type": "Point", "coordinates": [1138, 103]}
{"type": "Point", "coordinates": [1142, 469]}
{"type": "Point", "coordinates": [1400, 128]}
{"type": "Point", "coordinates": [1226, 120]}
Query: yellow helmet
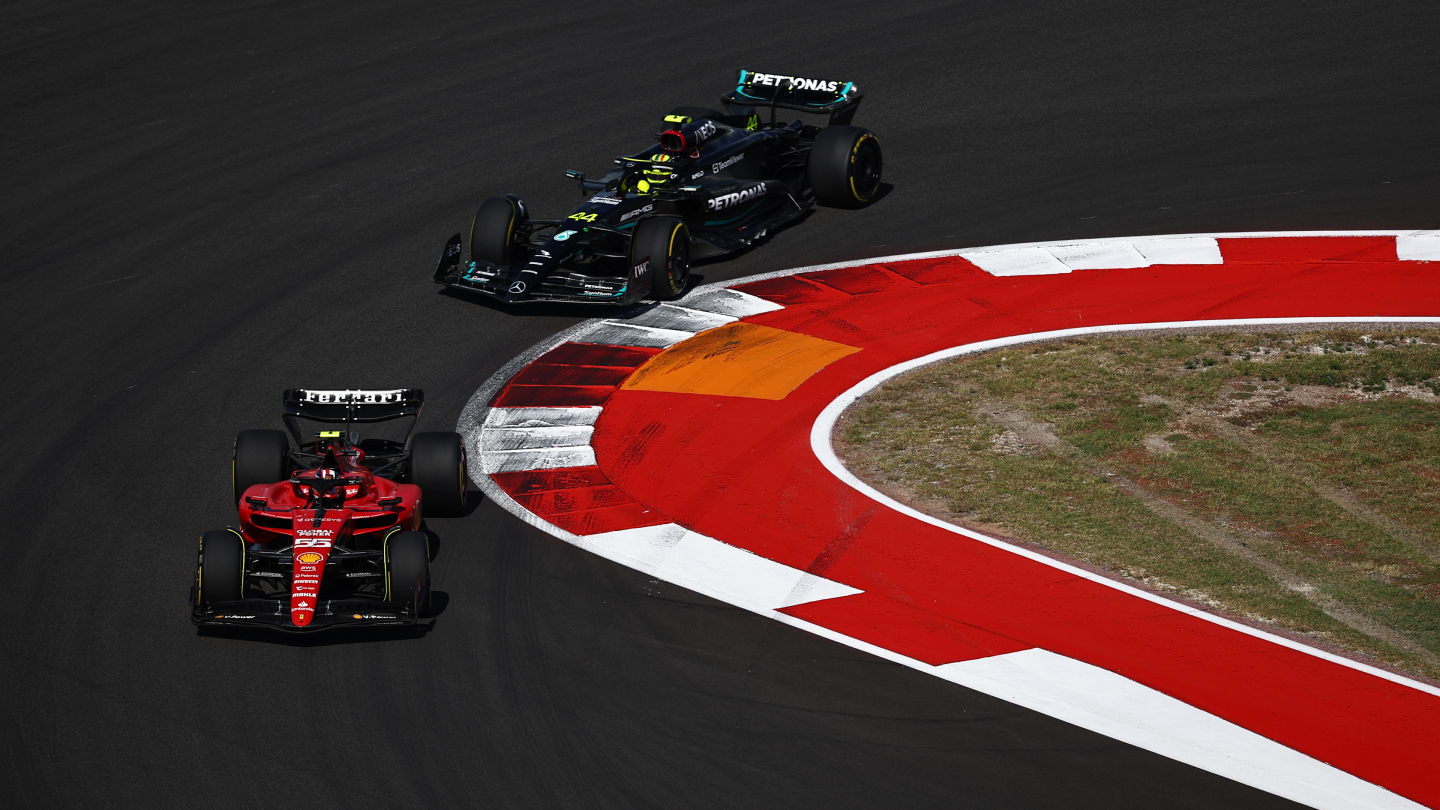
{"type": "Point", "coordinates": [656, 174]}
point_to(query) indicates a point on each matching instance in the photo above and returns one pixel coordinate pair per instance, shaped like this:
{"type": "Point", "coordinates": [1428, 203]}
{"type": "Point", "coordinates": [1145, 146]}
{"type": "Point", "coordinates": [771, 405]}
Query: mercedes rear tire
{"type": "Point", "coordinates": [844, 167]}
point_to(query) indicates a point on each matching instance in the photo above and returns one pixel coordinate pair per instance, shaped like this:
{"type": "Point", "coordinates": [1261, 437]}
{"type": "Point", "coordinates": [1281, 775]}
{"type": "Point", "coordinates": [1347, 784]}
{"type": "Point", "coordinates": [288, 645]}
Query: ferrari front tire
{"type": "Point", "coordinates": [220, 571]}
{"type": "Point", "coordinates": [260, 457]}
{"type": "Point", "coordinates": [437, 466]}
{"type": "Point", "coordinates": [493, 231]}
{"type": "Point", "coordinates": [660, 248]}
{"type": "Point", "coordinates": [844, 167]}
{"type": "Point", "coordinates": [407, 570]}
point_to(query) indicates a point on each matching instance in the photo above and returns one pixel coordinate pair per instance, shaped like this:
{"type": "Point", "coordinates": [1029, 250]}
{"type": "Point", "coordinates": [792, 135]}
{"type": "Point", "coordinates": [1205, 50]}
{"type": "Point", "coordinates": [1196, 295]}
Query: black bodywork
{"type": "Point", "coordinates": [744, 177]}
{"type": "Point", "coordinates": [387, 455]}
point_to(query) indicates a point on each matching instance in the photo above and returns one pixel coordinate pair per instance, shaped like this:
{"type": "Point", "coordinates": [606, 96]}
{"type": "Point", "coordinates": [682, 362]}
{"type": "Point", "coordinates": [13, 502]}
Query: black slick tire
{"type": "Point", "coordinates": [660, 249]}
{"type": "Point", "coordinates": [437, 466]}
{"type": "Point", "coordinates": [492, 232]}
{"type": "Point", "coordinates": [407, 570]}
{"type": "Point", "coordinates": [844, 167]}
{"type": "Point", "coordinates": [220, 570]}
{"type": "Point", "coordinates": [260, 457]}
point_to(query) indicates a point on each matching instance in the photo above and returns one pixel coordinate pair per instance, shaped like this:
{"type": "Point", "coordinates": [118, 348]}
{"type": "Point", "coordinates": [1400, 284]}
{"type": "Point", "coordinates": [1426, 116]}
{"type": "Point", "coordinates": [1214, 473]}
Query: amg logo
{"type": "Point", "coordinates": [795, 82]}
{"type": "Point", "coordinates": [632, 214]}
{"type": "Point", "coordinates": [735, 198]}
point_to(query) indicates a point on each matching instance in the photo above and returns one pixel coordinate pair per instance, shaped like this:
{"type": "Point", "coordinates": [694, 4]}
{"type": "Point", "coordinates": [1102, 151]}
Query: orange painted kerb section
{"type": "Point", "coordinates": [738, 360]}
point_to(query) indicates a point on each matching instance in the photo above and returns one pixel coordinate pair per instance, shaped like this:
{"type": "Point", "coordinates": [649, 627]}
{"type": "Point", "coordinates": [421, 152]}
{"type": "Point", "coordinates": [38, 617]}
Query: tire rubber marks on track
{"type": "Point", "coordinates": [596, 515]}
{"type": "Point", "coordinates": [1102, 701]}
{"type": "Point", "coordinates": [535, 445]}
{"type": "Point", "coordinates": [716, 569]}
{"type": "Point", "coordinates": [738, 360]}
{"type": "Point", "coordinates": [1424, 247]}
{"type": "Point", "coordinates": [584, 507]}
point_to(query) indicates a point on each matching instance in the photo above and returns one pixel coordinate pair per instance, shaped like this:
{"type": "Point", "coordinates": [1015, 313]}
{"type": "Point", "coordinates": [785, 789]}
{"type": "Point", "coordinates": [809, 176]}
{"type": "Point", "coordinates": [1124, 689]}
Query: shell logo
{"type": "Point", "coordinates": [309, 557]}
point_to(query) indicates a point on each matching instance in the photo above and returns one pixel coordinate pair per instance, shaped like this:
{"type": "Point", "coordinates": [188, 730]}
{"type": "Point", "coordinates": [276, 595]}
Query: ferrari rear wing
{"type": "Point", "coordinates": [837, 98]}
{"type": "Point", "coordinates": [352, 405]}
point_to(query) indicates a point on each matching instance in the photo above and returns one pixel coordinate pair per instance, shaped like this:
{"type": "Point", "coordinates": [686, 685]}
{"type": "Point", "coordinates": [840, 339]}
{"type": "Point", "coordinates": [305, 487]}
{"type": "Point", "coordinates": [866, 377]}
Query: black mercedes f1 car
{"type": "Point", "coordinates": [715, 183]}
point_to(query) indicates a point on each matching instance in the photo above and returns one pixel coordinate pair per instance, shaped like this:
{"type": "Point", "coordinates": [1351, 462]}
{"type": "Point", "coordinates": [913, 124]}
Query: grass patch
{"type": "Point", "coordinates": [1290, 479]}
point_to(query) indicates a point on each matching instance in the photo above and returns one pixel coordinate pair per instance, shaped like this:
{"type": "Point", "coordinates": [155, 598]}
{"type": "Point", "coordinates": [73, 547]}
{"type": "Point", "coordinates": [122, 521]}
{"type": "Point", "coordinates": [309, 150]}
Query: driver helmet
{"type": "Point", "coordinates": [657, 174]}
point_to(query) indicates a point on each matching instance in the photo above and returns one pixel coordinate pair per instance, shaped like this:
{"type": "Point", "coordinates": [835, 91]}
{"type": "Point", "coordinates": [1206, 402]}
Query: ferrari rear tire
{"type": "Point", "coordinates": [493, 231]}
{"type": "Point", "coordinates": [260, 457]}
{"type": "Point", "coordinates": [437, 466]}
{"type": "Point", "coordinates": [844, 168]}
{"type": "Point", "coordinates": [407, 570]}
{"type": "Point", "coordinates": [220, 571]}
{"type": "Point", "coordinates": [660, 248]}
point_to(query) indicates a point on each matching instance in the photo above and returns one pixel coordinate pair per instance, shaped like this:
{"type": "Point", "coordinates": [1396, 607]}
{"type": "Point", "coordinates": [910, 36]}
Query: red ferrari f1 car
{"type": "Point", "coordinates": [329, 531]}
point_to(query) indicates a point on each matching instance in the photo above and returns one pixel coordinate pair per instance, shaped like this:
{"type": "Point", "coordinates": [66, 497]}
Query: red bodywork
{"type": "Point", "coordinates": [288, 511]}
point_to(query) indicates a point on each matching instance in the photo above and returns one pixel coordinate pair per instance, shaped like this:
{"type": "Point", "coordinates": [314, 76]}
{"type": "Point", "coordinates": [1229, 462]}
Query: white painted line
{"type": "Point", "coordinates": [1113, 705]}
{"type": "Point", "coordinates": [1423, 246]}
{"type": "Point", "coordinates": [502, 461]}
{"type": "Point", "coordinates": [620, 333]}
{"type": "Point", "coordinates": [1099, 256]}
{"type": "Point", "coordinates": [706, 565]}
{"type": "Point", "coordinates": [824, 425]}
{"type": "Point", "coordinates": [724, 301]}
{"type": "Point", "coordinates": [1180, 250]}
{"type": "Point", "coordinates": [1040, 695]}
{"type": "Point", "coordinates": [477, 410]}
{"type": "Point", "coordinates": [531, 438]}
{"type": "Point", "coordinates": [541, 417]}
{"type": "Point", "coordinates": [1016, 262]}
{"type": "Point", "coordinates": [685, 319]}
{"type": "Point", "coordinates": [940, 254]}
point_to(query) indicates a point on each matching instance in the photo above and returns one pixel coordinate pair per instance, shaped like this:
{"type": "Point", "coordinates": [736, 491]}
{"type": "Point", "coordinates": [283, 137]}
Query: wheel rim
{"type": "Point", "coordinates": [679, 266]}
{"type": "Point", "coordinates": [866, 171]}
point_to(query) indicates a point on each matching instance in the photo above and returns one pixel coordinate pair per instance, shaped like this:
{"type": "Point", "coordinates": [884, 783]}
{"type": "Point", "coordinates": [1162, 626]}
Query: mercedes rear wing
{"type": "Point", "coordinates": [352, 405]}
{"type": "Point", "coordinates": [838, 99]}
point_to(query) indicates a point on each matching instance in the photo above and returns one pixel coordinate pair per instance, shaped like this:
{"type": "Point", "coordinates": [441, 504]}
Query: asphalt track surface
{"type": "Point", "coordinates": [204, 205]}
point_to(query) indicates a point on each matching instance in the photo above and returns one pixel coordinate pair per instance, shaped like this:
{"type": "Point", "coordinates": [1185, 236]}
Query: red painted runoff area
{"type": "Point", "coordinates": [572, 375]}
{"type": "Point", "coordinates": [580, 500]}
{"type": "Point", "coordinates": [741, 469]}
